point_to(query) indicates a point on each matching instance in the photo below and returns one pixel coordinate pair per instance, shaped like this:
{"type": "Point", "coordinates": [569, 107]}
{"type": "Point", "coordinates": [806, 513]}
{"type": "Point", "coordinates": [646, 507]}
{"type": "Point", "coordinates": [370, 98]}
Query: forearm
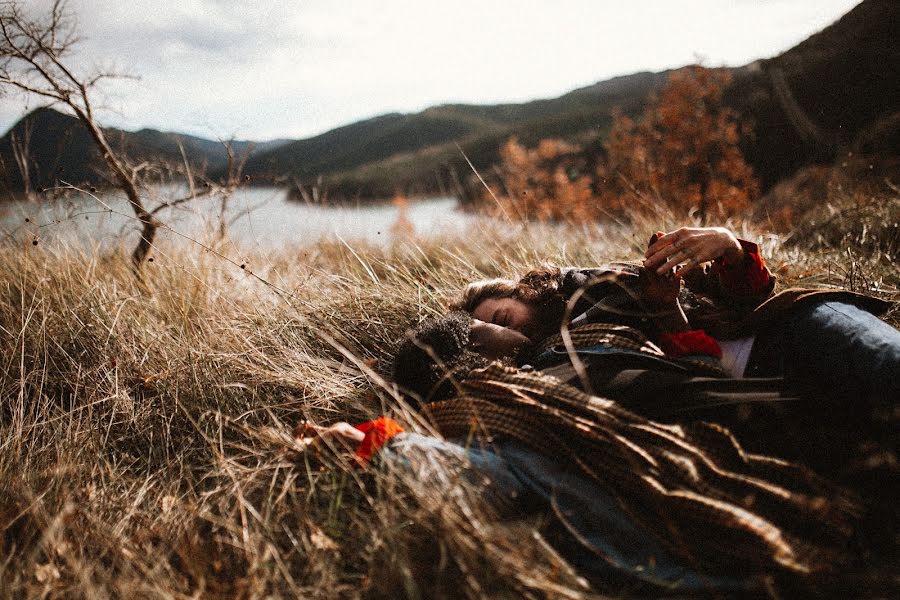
{"type": "Point", "coordinates": [439, 464]}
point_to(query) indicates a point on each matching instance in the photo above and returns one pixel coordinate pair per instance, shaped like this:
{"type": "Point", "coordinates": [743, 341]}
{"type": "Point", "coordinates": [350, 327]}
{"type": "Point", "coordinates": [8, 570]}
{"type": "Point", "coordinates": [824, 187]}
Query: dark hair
{"type": "Point", "coordinates": [433, 355]}
{"type": "Point", "coordinates": [540, 286]}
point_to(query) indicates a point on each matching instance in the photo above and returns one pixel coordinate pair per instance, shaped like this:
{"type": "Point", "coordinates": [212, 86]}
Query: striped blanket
{"type": "Point", "coordinates": [717, 506]}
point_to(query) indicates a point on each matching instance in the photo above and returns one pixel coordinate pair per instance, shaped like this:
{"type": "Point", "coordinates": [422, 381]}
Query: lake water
{"type": "Point", "coordinates": [257, 218]}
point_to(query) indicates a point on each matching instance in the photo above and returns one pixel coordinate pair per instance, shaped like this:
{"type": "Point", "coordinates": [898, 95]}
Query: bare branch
{"type": "Point", "coordinates": [4, 80]}
{"type": "Point", "coordinates": [172, 203]}
{"type": "Point", "coordinates": [33, 59]}
{"type": "Point", "coordinates": [23, 44]}
{"type": "Point", "coordinates": [136, 170]}
{"type": "Point", "coordinates": [187, 170]}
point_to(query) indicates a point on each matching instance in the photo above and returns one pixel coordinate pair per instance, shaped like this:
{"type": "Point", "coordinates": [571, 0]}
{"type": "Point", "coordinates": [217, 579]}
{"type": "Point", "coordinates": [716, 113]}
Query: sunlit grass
{"type": "Point", "coordinates": [145, 423]}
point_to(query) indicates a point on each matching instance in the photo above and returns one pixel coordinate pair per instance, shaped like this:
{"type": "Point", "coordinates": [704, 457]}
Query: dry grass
{"type": "Point", "coordinates": [145, 447]}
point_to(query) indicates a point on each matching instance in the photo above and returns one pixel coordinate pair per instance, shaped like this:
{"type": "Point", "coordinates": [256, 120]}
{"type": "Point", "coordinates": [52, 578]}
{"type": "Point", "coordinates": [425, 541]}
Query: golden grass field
{"type": "Point", "coordinates": [146, 448]}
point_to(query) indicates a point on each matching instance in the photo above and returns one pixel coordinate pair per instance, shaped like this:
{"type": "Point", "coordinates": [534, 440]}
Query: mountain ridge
{"type": "Point", "coordinates": [807, 104]}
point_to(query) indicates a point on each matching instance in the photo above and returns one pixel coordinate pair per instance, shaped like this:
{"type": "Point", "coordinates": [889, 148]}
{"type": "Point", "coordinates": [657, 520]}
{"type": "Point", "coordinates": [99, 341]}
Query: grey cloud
{"type": "Point", "coordinates": [225, 31]}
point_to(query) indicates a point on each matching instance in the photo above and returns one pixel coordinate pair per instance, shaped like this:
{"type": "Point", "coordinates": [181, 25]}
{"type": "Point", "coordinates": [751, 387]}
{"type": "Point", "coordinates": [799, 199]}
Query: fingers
{"type": "Point", "coordinates": [306, 429]}
{"type": "Point", "coordinates": [662, 249]}
{"type": "Point", "coordinates": [306, 438]}
{"type": "Point", "coordinates": [667, 251]}
{"type": "Point", "coordinates": [654, 238]}
{"type": "Point", "coordinates": [678, 257]}
{"type": "Point", "coordinates": [687, 267]}
{"type": "Point", "coordinates": [687, 246]}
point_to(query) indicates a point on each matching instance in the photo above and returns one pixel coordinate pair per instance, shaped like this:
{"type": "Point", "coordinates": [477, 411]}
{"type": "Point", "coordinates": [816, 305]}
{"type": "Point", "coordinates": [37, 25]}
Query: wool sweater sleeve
{"type": "Point", "coordinates": [689, 343]}
{"type": "Point", "coordinates": [748, 276]}
{"type": "Point", "coordinates": [378, 433]}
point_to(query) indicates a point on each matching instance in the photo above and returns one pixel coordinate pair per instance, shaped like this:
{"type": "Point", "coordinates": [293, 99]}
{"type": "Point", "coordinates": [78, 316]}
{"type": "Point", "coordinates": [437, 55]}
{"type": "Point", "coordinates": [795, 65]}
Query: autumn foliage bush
{"type": "Point", "coordinates": [547, 183]}
{"type": "Point", "coordinates": [681, 153]}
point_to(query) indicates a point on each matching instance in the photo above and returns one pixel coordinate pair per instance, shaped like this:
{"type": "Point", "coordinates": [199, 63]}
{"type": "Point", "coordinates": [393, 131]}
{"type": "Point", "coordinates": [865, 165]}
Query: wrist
{"type": "Point", "coordinates": [735, 254]}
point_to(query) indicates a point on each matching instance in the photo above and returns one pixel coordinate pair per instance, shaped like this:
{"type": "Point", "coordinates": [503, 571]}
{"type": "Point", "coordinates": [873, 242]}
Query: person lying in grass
{"type": "Point", "coordinates": [700, 292]}
{"type": "Point", "coordinates": [631, 503]}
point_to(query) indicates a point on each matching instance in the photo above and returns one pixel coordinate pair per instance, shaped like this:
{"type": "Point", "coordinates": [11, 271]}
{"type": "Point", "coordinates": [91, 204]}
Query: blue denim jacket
{"type": "Point", "coordinates": [587, 526]}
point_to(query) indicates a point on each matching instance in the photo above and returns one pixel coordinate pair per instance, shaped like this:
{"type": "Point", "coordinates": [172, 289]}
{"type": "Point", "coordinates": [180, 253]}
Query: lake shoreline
{"type": "Point", "coordinates": [254, 217]}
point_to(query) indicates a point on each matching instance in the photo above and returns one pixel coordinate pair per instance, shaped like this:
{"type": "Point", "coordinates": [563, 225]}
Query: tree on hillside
{"type": "Point", "coordinates": [36, 59]}
{"type": "Point", "coordinates": [34, 55]}
{"type": "Point", "coordinates": [684, 148]}
{"type": "Point", "coordinates": [547, 183]}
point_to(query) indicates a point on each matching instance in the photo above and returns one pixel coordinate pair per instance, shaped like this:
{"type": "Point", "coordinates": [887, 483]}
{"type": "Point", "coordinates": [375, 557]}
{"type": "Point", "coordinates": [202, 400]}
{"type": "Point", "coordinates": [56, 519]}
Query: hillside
{"type": "Point", "coordinates": [835, 92]}
{"type": "Point", "coordinates": [816, 99]}
{"type": "Point", "coordinates": [370, 158]}
{"type": "Point", "coordinates": [60, 149]}
{"type": "Point", "coordinates": [147, 430]}
{"type": "Point", "coordinates": [416, 153]}
{"type": "Point", "coordinates": [820, 98]}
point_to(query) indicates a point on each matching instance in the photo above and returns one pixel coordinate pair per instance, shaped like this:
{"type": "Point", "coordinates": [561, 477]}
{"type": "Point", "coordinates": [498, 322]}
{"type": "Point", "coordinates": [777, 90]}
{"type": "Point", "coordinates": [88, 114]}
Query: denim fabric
{"type": "Point", "coordinates": [588, 526]}
{"type": "Point", "coordinates": [832, 351]}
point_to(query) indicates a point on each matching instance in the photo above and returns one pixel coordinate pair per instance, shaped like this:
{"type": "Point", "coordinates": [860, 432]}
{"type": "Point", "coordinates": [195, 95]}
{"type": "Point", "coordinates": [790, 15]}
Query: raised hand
{"type": "Point", "coordinates": [691, 246]}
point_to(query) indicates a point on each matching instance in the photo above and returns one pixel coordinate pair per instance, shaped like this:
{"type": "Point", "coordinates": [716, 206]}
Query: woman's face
{"type": "Point", "coordinates": [507, 312]}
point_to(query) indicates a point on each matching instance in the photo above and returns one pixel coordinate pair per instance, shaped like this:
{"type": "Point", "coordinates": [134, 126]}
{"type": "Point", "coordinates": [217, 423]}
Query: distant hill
{"type": "Point", "coordinates": [808, 104]}
{"type": "Point", "coordinates": [417, 153]}
{"type": "Point", "coordinates": [412, 153]}
{"type": "Point", "coordinates": [821, 96]}
{"type": "Point", "coordinates": [59, 148]}
{"type": "Point", "coordinates": [838, 91]}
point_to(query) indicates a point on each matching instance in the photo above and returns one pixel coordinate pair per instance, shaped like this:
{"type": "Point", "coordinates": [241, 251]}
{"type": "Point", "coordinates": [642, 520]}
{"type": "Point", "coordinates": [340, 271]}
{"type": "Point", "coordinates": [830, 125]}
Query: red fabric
{"type": "Point", "coordinates": [747, 276]}
{"type": "Point", "coordinates": [683, 343]}
{"type": "Point", "coordinates": [378, 432]}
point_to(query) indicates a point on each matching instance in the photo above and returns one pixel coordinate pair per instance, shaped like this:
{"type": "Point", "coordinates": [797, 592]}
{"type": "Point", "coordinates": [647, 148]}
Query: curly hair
{"type": "Point", "coordinates": [432, 356]}
{"type": "Point", "coordinates": [478, 291]}
{"type": "Point", "coordinates": [538, 288]}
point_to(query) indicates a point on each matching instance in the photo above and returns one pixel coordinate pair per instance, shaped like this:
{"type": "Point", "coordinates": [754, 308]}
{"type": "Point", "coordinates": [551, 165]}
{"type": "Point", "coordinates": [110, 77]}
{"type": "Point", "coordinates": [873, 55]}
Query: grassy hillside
{"type": "Point", "coordinates": [60, 149]}
{"type": "Point", "coordinates": [361, 143]}
{"type": "Point", "coordinates": [146, 423]}
{"type": "Point", "coordinates": [417, 153]}
{"type": "Point", "coordinates": [844, 80]}
{"type": "Point", "coordinates": [808, 106]}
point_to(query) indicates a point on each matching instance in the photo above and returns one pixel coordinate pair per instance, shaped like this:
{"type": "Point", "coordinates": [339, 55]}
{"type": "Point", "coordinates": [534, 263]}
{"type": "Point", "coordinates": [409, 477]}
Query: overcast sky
{"type": "Point", "coordinates": [294, 68]}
